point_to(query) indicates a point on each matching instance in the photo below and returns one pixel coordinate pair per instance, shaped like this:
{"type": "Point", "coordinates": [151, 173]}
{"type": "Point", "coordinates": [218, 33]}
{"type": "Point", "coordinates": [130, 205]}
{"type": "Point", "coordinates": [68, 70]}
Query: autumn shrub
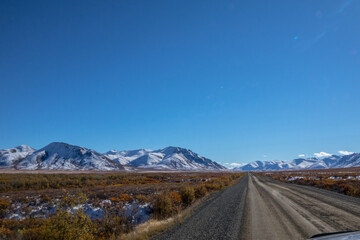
{"type": "Point", "coordinates": [142, 199]}
{"type": "Point", "coordinates": [353, 191]}
{"type": "Point", "coordinates": [114, 223]}
{"type": "Point", "coordinates": [44, 198]}
{"type": "Point", "coordinates": [126, 197]}
{"type": "Point", "coordinates": [64, 225]}
{"type": "Point", "coordinates": [114, 199]}
{"type": "Point", "coordinates": [162, 206]}
{"type": "Point", "coordinates": [72, 199]}
{"type": "Point", "coordinates": [214, 185]}
{"type": "Point", "coordinates": [225, 180]}
{"type": "Point", "coordinates": [6, 233]}
{"type": "Point", "coordinates": [200, 191]}
{"type": "Point", "coordinates": [187, 195]}
{"type": "Point", "coordinates": [4, 207]}
{"type": "Point", "coordinates": [175, 198]}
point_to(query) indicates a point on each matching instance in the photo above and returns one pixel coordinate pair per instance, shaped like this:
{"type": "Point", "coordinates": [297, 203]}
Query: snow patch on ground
{"type": "Point", "coordinates": [139, 213]}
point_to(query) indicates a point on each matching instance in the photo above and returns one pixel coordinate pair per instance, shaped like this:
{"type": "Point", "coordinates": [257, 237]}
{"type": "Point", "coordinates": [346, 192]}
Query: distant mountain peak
{"type": "Point", "coordinates": [25, 148]}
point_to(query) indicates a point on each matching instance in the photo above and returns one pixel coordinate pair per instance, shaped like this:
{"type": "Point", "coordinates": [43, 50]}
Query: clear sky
{"type": "Point", "coordinates": [235, 81]}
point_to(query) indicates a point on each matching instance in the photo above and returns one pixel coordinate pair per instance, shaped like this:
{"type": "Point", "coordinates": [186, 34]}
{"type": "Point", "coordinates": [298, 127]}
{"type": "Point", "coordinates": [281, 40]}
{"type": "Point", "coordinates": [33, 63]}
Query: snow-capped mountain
{"type": "Point", "coordinates": [124, 157]}
{"type": "Point", "coordinates": [303, 163]}
{"type": "Point", "coordinates": [9, 157]}
{"type": "Point", "coordinates": [63, 156]}
{"type": "Point", "coordinates": [175, 158]}
{"type": "Point", "coordinates": [265, 166]}
{"type": "Point", "coordinates": [333, 161]}
{"type": "Point", "coordinates": [351, 160]}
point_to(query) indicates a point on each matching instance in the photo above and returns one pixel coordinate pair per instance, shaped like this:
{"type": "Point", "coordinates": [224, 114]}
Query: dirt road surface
{"type": "Point", "coordinates": [261, 208]}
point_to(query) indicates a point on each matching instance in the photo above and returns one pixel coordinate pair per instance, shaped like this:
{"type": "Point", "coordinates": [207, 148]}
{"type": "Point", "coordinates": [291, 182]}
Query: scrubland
{"type": "Point", "coordinates": [345, 180]}
{"type": "Point", "coordinates": [101, 205]}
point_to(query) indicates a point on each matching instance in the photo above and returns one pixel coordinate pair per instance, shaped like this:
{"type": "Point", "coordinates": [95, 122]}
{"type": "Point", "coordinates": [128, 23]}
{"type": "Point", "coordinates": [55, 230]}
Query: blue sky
{"type": "Point", "coordinates": [235, 81]}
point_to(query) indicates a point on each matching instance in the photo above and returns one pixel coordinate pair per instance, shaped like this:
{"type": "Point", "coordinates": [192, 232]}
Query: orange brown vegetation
{"type": "Point", "coordinates": [167, 193]}
{"type": "Point", "coordinates": [346, 181]}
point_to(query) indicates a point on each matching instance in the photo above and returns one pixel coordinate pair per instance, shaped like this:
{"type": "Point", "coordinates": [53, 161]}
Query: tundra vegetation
{"type": "Point", "coordinates": [345, 181]}
{"type": "Point", "coordinates": [97, 206]}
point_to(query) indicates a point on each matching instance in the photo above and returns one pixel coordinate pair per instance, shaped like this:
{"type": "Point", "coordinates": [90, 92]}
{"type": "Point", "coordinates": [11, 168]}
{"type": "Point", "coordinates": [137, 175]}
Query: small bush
{"type": "Point", "coordinates": [64, 225]}
{"type": "Point", "coordinates": [200, 191]}
{"type": "Point", "coordinates": [5, 233]}
{"type": "Point", "coordinates": [126, 197]}
{"type": "Point", "coordinates": [142, 198]}
{"type": "Point", "coordinates": [114, 223]}
{"type": "Point", "coordinates": [187, 195]}
{"type": "Point", "coordinates": [162, 206]}
{"type": "Point", "coordinates": [175, 198]}
{"type": "Point", "coordinates": [114, 199]}
{"type": "Point", "coordinates": [4, 207]}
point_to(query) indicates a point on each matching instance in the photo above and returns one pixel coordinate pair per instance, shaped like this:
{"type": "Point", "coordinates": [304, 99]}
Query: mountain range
{"type": "Point", "coordinates": [167, 158]}
{"type": "Point", "coordinates": [333, 161]}
{"type": "Point", "coordinates": [63, 156]}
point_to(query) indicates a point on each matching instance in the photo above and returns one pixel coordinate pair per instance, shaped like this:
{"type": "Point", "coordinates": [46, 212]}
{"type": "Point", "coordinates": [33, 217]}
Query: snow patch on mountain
{"type": "Point", "coordinates": [124, 157]}
{"type": "Point", "coordinates": [9, 157]}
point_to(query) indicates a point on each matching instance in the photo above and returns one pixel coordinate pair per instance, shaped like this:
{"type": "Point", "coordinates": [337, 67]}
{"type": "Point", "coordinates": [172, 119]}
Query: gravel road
{"type": "Point", "coordinates": [261, 208]}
